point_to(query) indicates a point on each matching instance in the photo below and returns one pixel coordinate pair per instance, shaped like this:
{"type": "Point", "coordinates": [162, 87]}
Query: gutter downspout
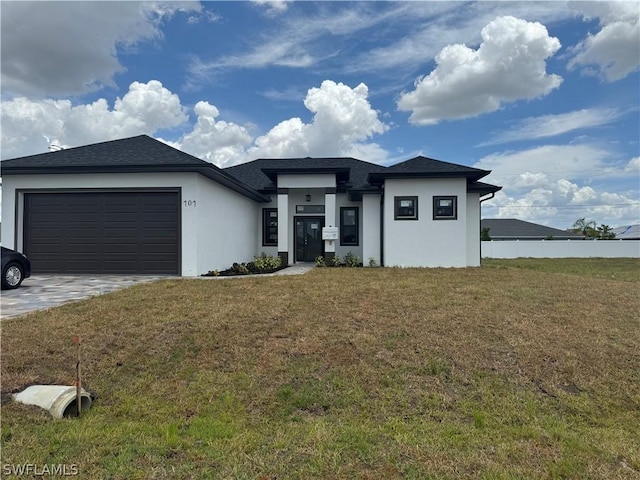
{"type": "Point", "coordinates": [382, 227]}
{"type": "Point", "coordinates": [491, 195]}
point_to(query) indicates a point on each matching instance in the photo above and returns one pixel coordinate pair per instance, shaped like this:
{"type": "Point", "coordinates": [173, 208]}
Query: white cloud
{"type": "Point", "coordinates": [216, 141]}
{"type": "Point", "coordinates": [615, 48]}
{"type": "Point", "coordinates": [343, 120]}
{"type": "Point", "coordinates": [145, 108]}
{"type": "Point", "coordinates": [68, 48]}
{"type": "Point", "coordinates": [509, 65]}
{"type": "Point", "coordinates": [273, 7]}
{"type": "Point", "coordinates": [544, 126]}
{"type": "Point", "coordinates": [633, 165]}
{"type": "Point", "coordinates": [554, 189]}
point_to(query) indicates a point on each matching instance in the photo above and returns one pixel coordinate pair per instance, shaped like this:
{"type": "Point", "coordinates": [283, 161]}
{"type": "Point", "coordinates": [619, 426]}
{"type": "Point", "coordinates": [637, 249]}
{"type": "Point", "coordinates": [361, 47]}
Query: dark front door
{"type": "Point", "coordinates": [309, 244]}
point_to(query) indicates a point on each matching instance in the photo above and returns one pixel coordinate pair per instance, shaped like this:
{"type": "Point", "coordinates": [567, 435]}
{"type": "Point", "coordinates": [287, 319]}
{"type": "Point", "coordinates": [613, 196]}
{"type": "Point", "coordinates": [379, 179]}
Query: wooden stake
{"type": "Point", "coordinates": [76, 340]}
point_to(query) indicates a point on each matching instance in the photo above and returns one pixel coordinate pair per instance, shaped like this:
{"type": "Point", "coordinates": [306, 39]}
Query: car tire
{"type": "Point", "coordinates": [12, 276]}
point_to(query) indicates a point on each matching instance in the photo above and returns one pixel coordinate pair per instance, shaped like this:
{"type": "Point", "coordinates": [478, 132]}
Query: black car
{"type": "Point", "coordinates": [15, 268]}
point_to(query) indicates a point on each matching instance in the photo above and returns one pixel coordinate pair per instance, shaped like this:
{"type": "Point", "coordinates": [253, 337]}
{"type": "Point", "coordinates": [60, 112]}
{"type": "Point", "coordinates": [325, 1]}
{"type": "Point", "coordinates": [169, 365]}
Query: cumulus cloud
{"type": "Point", "coordinates": [544, 126]}
{"type": "Point", "coordinates": [614, 50]}
{"type": "Point", "coordinates": [508, 65]}
{"type": "Point", "coordinates": [343, 119]}
{"type": "Point", "coordinates": [342, 125]}
{"type": "Point", "coordinates": [554, 189]}
{"type": "Point", "coordinates": [29, 125]}
{"type": "Point", "coordinates": [216, 141]}
{"type": "Point", "coordinates": [69, 48]}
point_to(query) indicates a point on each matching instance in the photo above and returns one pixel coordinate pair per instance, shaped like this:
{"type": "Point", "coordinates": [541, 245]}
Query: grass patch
{"type": "Point", "coordinates": [626, 269]}
{"type": "Point", "coordinates": [341, 373]}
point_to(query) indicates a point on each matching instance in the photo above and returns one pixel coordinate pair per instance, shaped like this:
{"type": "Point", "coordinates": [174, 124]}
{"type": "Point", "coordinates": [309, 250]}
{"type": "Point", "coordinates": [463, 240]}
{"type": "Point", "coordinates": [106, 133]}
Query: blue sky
{"type": "Point", "coordinates": [546, 95]}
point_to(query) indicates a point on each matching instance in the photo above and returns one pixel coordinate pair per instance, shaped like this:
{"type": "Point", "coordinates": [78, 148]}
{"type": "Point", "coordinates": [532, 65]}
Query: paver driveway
{"type": "Point", "coordinates": [43, 291]}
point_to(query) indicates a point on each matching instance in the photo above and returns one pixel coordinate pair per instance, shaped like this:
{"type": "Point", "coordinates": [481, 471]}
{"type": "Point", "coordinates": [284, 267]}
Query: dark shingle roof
{"type": "Point", "coordinates": [127, 152]}
{"type": "Point", "coordinates": [127, 155]}
{"type": "Point", "coordinates": [428, 167]}
{"type": "Point", "coordinates": [145, 154]}
{"type": "Point", "coordinates": [512, 228]}
{"type": "Point", "coordinates": [253, 173]}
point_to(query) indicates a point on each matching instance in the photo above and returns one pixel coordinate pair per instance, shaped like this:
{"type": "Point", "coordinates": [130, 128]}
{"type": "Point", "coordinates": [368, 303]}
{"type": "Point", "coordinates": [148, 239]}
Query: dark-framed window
{"type": "Point", "coordinates": [445, 207]}
{"type": "Point", "coordinates": [349, 226]}
{"type": "Point", "coordinates": [405, 208]}
{"type": "Point", "coordinates": [270, 227]}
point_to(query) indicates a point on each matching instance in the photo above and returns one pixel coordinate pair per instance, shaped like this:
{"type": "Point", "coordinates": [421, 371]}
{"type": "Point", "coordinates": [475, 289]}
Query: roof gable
{"type": "Point", "coordinates": [128, 155]}
{"type": "Point", "coordinates": [421, 167]}
{"type": "Point", "coordinates": [127, 152]}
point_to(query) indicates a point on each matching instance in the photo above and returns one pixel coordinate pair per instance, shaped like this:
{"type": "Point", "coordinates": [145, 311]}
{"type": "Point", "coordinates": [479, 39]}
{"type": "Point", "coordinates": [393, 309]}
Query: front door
{"type": "Point", "coordinates": [309, 243]}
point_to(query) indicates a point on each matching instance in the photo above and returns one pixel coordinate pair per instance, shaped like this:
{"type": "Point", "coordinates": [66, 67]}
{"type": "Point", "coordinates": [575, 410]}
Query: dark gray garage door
{"type": "Point", "coordinates": [103, 232]}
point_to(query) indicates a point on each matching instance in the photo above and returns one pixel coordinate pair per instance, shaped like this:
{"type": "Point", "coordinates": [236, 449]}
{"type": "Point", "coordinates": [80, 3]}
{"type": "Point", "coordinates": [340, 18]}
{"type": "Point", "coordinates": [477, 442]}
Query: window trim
{"type": "Point", "coordinates": [357, 225]}
{"type": "Point", "coordinates": [265, 228]}
{"type": "Point", "coordinates": [396, 207]}
{"type": "Point", "coordinates": [454, 199]}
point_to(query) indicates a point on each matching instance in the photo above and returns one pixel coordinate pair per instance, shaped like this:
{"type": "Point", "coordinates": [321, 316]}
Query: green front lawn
{"type": "Point", "coordinates": [497, 372]}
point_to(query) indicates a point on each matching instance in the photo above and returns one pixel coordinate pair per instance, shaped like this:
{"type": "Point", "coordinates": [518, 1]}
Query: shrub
{"type": "Point", "coordinates": [351, 260]}
{"type": "Point", "coordinates": [372, 262]}
{"type": "Point", "coordinates": [320, 261]}
{"type": "Point", "coordinates": [266, 263]}
{"type": "Point", "coordinates": [335, 262]}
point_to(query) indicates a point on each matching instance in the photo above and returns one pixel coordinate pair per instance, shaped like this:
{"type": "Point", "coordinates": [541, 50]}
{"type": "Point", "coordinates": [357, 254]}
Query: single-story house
{"type": "Point", "coordinates": [137, 205]}
{"type": "Point", "coordinates": [514, 229]}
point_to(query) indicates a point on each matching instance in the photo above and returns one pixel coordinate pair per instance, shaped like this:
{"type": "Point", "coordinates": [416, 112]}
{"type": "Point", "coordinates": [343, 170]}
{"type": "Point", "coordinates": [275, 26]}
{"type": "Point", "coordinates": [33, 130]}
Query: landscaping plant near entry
{"type": "Point", "coordinates": [261, 264]}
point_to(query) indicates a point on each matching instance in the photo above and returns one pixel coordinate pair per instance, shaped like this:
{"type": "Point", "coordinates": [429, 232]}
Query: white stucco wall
{"type": "Point", "coordinates": [425, 242]}
{"type": "Point", "coordinates": [211, 224]}
{"type": "Point", "coordinates": [226, 227]}
{"type": "Point", "coordinates": [310, 180]}
{"type": "Point", "coordinates": [370, 233]}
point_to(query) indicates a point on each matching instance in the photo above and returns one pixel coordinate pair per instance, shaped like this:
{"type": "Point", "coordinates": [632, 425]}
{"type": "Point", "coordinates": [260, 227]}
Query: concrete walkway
{"type": "Point", "coordinates": [39, 292]}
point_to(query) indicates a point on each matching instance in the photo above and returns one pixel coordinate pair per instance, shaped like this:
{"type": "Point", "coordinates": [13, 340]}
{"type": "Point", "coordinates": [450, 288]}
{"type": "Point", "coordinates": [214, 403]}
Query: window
{"type": "Point", "coordinates": [348, 225]}
{"type": "Point", "coordinates": [445, 208]}
{"type": "Point", "coordinates": [406, 208]}
{"type": "Point", "coordinates": [269, 226]}
{"type": "Point", "coordinates": [309, 208]}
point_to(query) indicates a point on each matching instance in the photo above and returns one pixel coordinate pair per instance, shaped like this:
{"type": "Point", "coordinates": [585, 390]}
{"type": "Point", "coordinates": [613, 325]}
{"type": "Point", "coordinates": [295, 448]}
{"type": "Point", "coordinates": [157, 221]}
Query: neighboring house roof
{"type": "Point", "coordinates": [514, 229]}
{"type": "Point", "coordinates": [128, 155]}
{"type": "Point", "coordinates": [628, 232]}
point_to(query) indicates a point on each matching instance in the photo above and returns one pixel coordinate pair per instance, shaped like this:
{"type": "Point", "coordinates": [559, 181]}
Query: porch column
{"type": "Point", "coordinates": [283, 225]}
{"type": "Point", "coordinates": [330, 221]}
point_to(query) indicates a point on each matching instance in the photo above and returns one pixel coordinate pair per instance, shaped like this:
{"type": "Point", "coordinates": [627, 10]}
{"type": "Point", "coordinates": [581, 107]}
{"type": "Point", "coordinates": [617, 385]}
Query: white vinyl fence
{"type": "Point", "coordinates": [560, 248]}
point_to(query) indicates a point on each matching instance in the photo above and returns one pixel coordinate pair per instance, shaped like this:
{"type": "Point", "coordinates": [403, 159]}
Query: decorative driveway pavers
{"type": "Point", "coordinates": [44, 291]}
{"type": "Point", "coordinates": [39, 292]}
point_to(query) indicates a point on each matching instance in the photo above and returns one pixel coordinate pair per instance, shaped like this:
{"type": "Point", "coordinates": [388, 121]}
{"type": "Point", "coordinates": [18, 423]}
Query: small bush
{"type": "Point", "coordinates": [261, 264]}
{"type": "Point", "coordinates": [320, 261]}
{"type": "Point", "coordinates": [351, 260]}
{"type": "Point", "coordinates": [372, 262]}
{"type": "Point", "coordinates": [335, 262]}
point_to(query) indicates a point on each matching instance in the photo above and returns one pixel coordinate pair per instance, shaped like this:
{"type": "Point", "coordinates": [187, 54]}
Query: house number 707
{"type": "Point", "coordinates": [189, 203]}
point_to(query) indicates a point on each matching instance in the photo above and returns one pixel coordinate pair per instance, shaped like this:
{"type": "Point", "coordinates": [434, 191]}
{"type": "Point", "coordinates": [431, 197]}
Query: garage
{"type": "Point", "coordinates": [108, 232]}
